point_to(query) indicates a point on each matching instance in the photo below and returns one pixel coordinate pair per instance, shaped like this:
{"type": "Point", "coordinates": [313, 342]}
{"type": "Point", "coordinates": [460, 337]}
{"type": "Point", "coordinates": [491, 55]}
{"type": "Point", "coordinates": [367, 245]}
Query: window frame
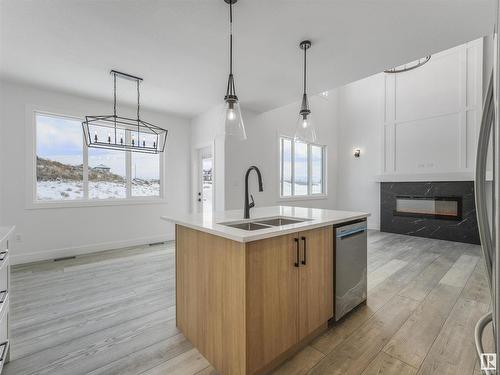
{"type": "Point", "coordinates": [309, 195]}
{"type": "Point", "coordinates": [31, 174]}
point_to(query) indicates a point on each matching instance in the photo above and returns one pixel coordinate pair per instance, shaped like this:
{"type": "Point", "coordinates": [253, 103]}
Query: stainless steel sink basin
{"type": "Point", "coordinates": [264, 223]}
{"type": "Point", "coordinates": [279, 221]}
{"type": "Point", "coordinates": [248, 226]}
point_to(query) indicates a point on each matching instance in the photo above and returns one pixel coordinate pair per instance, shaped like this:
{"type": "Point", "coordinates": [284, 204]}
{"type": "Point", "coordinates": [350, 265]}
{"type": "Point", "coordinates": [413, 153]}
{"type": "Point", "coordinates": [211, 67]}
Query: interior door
{"type": "Point", "coordinates": [205, 179]}
{"type": "Point", "coordinates": [272, 298]}
{"type": "Point", "coordinates": [315, 279]}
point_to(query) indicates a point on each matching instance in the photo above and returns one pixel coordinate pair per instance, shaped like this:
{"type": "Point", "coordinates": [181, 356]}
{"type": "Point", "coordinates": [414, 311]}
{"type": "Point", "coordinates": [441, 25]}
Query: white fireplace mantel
{"type": "Point", "coordinates": [436, 176]}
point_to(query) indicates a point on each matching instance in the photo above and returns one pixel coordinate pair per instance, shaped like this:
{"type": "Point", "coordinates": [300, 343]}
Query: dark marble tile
{"type": "Point", "coordinates": [462, 230]}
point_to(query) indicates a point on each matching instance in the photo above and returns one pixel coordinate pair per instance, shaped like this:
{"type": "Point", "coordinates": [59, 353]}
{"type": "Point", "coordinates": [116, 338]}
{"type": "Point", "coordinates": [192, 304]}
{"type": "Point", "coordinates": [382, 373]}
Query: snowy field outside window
{"type": "Point", "coordinates": [67, 170]}
{"type": "Point", "coordinates": [302, 167]}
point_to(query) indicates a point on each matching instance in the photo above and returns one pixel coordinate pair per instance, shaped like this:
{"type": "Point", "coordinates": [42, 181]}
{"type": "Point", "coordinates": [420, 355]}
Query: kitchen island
{"type": "Point", "coordinates": [250, 293]}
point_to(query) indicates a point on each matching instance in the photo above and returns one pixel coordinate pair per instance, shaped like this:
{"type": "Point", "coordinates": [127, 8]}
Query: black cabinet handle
{"type": "Point", "coordinates": [304, 262]}
{"type": "Point", "coordinates": [296, 264]}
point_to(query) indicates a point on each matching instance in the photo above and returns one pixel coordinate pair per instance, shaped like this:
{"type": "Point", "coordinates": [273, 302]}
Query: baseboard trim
{"type": "Point", "coordinates": [86, 249]}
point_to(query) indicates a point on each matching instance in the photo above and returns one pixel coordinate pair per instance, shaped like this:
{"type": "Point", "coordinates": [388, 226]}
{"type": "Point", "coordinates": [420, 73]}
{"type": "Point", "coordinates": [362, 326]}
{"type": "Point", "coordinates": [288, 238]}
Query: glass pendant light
{"type": "Point", "coordinates": [233, 126]}
{"type": "Point", "coordinates": [305, 131]}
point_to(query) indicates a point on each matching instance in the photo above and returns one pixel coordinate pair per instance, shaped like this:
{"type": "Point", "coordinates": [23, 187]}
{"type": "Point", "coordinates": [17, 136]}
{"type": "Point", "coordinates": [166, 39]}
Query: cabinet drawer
{"type": "Point", "coordinates": [4, 314]}
{"type": "Point", "coordinates": [4, 246]}
{"type": "Point", "coordinates": [4, 271]}
{"type": "Point", "coordinates": [4, 349]}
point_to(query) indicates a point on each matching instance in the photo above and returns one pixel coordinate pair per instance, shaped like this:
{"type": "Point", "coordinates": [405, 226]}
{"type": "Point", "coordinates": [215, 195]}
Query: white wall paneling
{"type": "Point", "coordinates": [431, 114]}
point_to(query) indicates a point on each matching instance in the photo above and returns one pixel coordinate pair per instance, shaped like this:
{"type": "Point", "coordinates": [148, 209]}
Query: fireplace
{"type": "Point", "coordinates": [441, 210]}
{"type": "Point", "coordinates": [445, 208]}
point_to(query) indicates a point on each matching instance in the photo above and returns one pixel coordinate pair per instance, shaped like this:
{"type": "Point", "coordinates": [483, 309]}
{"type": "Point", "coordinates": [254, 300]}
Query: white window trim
{"type": "Point", "coordinates": [309, 196]}
{"type": "Point", "coordinates": [30, 176]}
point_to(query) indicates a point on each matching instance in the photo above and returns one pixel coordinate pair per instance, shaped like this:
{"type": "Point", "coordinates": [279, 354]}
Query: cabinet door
{"type": "Point", "coordinates": [272, 299]}
{"type": "Point", "coordinates": [315, 279]}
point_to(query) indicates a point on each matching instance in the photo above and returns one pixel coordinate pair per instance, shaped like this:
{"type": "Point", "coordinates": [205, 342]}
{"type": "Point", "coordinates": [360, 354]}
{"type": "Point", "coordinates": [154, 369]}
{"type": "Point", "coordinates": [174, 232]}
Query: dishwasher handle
{"type": "Point", "coordinates": [351, 233]}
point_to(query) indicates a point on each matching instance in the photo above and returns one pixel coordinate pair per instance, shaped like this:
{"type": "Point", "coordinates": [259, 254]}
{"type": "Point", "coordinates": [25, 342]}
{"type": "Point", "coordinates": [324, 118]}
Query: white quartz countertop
{"type": "Point", "coordinates": [5, 231]}
{"type": "Point", "coordinates": [316, 218]}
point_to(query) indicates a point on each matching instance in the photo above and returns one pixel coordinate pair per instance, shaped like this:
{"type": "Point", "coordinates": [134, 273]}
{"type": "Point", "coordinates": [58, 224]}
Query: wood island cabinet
{"type": "Point", "coordinates": [249, 306]}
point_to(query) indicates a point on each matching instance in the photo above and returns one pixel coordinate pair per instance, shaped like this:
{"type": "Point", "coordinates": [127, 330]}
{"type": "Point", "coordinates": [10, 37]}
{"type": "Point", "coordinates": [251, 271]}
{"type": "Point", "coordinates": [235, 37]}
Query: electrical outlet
{"type": "Point", "coordinates": [19, 238]}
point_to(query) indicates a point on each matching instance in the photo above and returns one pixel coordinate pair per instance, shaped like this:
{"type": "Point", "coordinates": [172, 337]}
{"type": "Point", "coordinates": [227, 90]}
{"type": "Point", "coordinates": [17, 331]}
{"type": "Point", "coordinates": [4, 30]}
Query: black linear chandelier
{"type": "Point", "coordinates": [122, 133]}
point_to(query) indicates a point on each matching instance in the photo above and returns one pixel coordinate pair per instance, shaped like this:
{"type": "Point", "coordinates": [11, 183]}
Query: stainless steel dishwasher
{"type": "Point", "coordinates": [350, 267]}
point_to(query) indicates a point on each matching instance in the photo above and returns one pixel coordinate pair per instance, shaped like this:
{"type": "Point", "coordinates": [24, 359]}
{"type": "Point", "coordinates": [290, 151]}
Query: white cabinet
{"type": "Point", "coordinates": [6, 234]}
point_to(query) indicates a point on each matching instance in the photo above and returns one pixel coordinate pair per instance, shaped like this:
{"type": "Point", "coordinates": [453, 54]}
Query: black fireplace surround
{"type": "Point", "coordinates": [440, 210]}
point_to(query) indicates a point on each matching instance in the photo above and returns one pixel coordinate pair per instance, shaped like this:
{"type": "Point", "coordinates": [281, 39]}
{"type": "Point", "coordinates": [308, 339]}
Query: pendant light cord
{"type": "Point", "coordinates": [114, 94]}
{"type": "Point", "coordinates": [231, 38]}
{"type": "Point", "coordinates": [305, 70]}
{"type": "Point", "coordinates": [138, 100]}
{"type": "Point", "coordinates": [230, 90]}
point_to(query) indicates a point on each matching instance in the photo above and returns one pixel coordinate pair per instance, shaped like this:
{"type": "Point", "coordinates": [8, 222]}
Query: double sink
{"type": "Point", "coordinates": [264, 223]}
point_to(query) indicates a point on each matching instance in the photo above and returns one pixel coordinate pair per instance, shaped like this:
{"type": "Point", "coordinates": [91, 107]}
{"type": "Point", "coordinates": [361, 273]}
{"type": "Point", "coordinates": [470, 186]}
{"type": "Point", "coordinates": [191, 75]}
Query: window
{"type": "Point", "coordinates": [145, 175]}
{"type": "Point", "coordinates": [59, 158]}
{"type": "Point", "coordinates": [107, 174]}
{"type": "Point", "coordinates": [67, 170]}
{"type": "Point", "coordinates": [302, 169]}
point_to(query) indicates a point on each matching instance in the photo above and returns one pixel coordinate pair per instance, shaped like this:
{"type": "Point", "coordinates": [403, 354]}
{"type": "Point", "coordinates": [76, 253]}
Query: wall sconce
{"type": "Point", "coordinates": [357, 152]}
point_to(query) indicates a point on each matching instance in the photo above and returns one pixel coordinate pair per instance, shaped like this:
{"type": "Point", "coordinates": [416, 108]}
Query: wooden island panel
{"type": "Point", "coordinates": [210, 297]}
{"type": "Point", "coordinates": [272, 299]}
{"type": "Point", "coordinates": [316, 280]}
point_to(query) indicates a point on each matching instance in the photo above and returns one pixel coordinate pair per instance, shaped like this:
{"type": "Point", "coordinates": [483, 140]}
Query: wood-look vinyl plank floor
{"type": "Point", "coordinates": [114, 313]}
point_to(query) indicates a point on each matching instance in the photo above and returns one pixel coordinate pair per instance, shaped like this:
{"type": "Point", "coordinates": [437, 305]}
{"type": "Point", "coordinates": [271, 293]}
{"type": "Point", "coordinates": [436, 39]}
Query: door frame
{"type": "Point", "coordinates": [195, 174]}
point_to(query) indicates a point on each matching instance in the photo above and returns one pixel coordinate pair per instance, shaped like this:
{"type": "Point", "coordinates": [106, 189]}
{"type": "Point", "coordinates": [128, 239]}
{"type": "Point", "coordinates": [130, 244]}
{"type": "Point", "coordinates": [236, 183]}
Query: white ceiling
{"type": "Point", "coordinates": [179, 47]}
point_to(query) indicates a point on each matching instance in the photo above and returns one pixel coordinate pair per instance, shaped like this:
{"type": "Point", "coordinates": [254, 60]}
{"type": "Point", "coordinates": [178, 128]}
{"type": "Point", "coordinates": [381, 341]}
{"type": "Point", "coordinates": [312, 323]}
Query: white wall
{"type": "Point", "coordinates": [432, 105]}
{"type": "Point", "coordinates": [232, 158]}
{"type": "Point", "coordinates": [206, 131]}
{"type": "Point", "coordinates": [418, 124]}
{"type": "Point", "coordinates": [262, 149]}
{"type": "Point", "coordinates": [360, 117]}
{"type": "Point", "coordinates": [58, 232]}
